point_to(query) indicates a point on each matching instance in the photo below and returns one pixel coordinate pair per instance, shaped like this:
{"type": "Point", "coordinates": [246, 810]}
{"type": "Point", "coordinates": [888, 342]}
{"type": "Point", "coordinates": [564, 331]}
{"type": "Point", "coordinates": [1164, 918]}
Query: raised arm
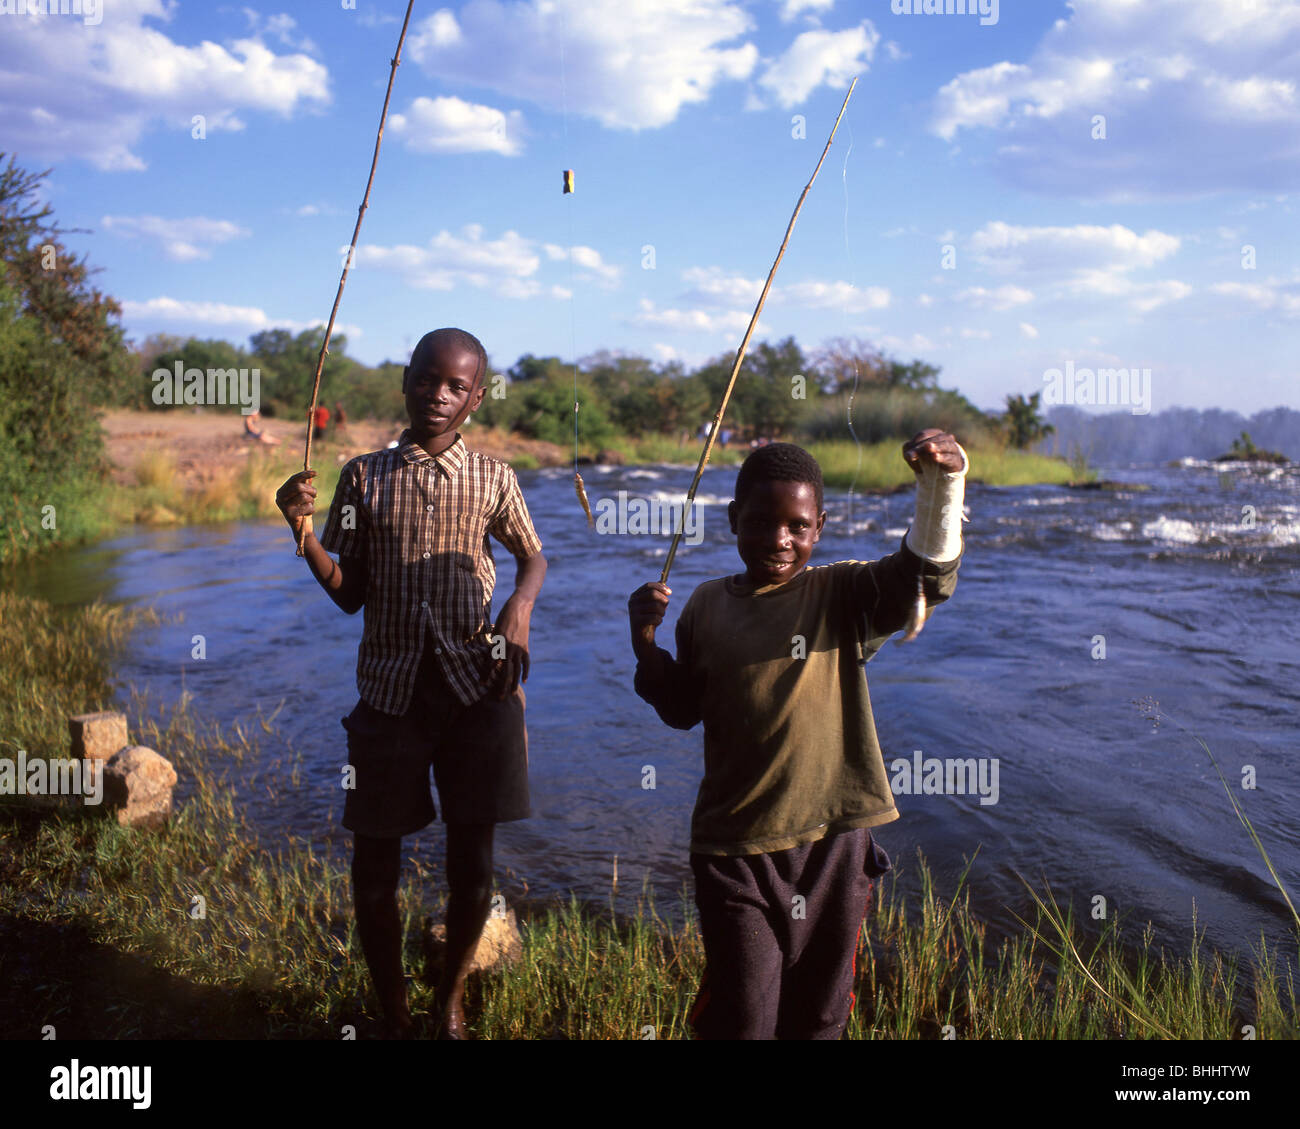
{"type": "Point", "coordinates": [931, 551]}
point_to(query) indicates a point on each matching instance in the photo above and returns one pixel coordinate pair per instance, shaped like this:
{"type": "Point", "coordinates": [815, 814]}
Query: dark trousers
{"type": "Point", "coordinates": [780, 937]}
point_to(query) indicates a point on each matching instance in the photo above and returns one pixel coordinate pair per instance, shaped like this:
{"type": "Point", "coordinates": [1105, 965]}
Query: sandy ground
{"type": "Point", "coordinates": [203, 442]}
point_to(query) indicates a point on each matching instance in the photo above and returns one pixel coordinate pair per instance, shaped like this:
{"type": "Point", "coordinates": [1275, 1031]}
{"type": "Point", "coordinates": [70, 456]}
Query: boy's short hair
{"type": "Point", "coordinates": [778, 462]}
{"type": "Point", "coordinates": [461, 340]}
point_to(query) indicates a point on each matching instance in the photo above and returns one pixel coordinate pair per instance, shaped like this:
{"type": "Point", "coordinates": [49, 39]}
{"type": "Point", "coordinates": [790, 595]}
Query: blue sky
{"type": "Point", "coordinates": [679, 119]}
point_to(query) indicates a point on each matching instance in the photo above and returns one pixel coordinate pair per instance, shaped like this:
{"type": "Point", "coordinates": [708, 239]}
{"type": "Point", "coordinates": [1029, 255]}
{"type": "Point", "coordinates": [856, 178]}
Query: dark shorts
{"type": "Point", "coordinates": [781, 936]}
{"type": "Point", "coordinates": [479, 756]}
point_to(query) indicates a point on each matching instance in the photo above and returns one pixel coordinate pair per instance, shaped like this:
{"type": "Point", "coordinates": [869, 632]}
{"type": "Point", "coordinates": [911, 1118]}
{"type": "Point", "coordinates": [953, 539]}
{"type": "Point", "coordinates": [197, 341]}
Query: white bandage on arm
{"type": "Point", "coordinates": [935, 535]}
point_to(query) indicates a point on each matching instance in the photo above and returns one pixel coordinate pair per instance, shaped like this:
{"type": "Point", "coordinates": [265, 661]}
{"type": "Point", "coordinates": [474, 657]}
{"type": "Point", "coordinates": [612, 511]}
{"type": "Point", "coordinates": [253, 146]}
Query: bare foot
{"type": "Point", "coordinates": [452, 1026]}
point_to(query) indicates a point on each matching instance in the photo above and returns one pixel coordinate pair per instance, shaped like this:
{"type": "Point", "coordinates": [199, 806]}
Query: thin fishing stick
{"type": "Point", "coordinates": [305, 523]}
{"type": "Point", "coordinates": [744, 344]}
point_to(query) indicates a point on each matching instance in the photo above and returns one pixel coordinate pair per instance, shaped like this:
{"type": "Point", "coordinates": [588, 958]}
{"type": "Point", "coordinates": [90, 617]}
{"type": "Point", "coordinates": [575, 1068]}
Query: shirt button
{"type": "Point", "coordinates": [424, 603]}
{"type": "Point", "coordinates": [429, 508]}
{"type": "Point", "coordinates": [437, 650]}
{"type": "Point", "coordinates": [426, 556]}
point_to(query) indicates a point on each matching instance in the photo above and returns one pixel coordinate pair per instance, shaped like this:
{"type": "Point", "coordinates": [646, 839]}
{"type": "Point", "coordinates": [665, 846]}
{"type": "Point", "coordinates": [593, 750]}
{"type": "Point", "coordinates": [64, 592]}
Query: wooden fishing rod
{"type": "Point", "coordinates": [744, 344]}
{"type": "Point", "coordinates": [305, 522]}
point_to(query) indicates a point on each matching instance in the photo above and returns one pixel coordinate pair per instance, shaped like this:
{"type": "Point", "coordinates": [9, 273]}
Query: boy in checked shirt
{"type": "Point", "coordinates": [439, 682]}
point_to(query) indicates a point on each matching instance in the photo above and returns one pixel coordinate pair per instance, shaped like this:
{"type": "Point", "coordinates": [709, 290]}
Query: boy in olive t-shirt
{"type": "Point", "coordinates": [770, 661]}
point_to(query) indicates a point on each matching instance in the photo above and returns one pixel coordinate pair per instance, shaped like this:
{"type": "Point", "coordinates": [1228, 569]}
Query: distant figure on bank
{"type": "Point", "coordinates": [340, 419]}
{"type": "Point", "coordinates": [320, 422]}
{"type": "Point", "coordinates": [253, 431]}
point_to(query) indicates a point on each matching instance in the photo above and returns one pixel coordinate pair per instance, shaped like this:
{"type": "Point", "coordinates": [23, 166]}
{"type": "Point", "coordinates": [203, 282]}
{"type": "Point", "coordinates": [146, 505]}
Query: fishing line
{"type": "Point", "coordinates": [744, 343]}
{"type": "Point", "coordinates": [917, 614]}
{"type": "Point", "coordinates": [848, 255]}
{"type": "Point", "coordinates": [568, 187]}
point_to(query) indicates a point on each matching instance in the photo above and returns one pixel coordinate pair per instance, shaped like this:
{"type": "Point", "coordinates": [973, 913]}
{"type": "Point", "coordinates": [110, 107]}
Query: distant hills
{"type": "Point", "coordinates": [1119, 438]}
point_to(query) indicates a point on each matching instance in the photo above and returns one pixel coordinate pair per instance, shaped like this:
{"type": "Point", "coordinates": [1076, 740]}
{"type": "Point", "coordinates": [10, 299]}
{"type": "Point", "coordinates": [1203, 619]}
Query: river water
{"type": "Point", "coordinates": [1192, 577]}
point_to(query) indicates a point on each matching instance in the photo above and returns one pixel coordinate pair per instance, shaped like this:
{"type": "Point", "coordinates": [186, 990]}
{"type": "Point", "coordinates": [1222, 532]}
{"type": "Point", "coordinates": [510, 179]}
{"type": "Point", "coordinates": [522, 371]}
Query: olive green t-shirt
{"type": "Point", "coordinates": [775, 674]}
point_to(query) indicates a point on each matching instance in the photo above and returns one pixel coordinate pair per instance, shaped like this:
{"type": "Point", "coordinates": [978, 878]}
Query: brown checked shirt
{"type": "Point", "coordinates": [422, 523]}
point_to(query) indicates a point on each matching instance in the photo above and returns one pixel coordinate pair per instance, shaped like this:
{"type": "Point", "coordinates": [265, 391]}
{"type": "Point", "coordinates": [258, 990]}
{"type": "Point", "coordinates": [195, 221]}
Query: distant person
{"type": "Point", "coordinates": [320, 422]}
{"type": "Point", "coordinates": [794, 777]}
{"type": "Point", "coordinates": [253, 431]}
{"type": "Point", "coordinates": [340, 419]}
{"type": "Point", "coordinates": [724, 436]}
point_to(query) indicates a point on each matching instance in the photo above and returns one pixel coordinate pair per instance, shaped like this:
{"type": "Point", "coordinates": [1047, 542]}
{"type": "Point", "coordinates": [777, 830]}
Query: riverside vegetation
{"type": "Point", "coordinates": [98, 937]}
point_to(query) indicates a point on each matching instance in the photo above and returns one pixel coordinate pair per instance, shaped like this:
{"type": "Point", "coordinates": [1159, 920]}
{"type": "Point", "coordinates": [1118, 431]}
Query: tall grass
{"type": "Point", "coordinates": [880, 466]}
{"type": "Point", "coordinates": [161, 494]}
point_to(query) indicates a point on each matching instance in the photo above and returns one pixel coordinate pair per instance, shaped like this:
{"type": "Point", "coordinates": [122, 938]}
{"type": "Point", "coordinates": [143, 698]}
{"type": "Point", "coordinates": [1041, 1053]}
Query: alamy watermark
{"type": "Point", "coordinates": [931, 776]}
{"type": "Point", "coordinates": [39, 777]}
{"type": "Point", "coordinates": [90, 11]}
{"type": "Point", "coordinates": [987, 10]}
{"type": "Point", "coordinates": [181, 385]}
{"type": "Point", "coordinates": [101, 1083]}
{"type": "Point", "coordinates": [647, 515]}
{"type": "Point", "coordinates": [1114, 387]}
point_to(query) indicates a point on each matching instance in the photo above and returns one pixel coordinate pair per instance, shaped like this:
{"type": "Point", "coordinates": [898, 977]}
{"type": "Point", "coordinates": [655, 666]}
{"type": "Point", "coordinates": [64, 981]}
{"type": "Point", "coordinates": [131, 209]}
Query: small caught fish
{"type": "Point", "coordinates": [582, 497]}
{"type": "Point", "coordinates": [916, 620]}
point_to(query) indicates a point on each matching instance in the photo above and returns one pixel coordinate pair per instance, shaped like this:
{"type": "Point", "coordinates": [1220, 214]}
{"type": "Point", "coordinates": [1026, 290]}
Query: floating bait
{"type": "Point", "coordinates": [916, 620]}
{"type": "Point", "coordinates": [582, 497]}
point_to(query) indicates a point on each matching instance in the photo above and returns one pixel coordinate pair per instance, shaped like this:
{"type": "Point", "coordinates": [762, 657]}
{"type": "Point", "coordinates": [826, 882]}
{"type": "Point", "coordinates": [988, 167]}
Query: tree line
{"type": "Point", "coordinates": [845, 388]}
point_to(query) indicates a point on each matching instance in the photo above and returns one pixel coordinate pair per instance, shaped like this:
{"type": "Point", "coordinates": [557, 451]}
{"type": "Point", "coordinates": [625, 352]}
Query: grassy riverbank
{"type": "Point", "coordinates": [180, 468]}
{"type": "Point", "coordinates": [173, 468]}
{"type": "Point", "coordinates": [100, 937]}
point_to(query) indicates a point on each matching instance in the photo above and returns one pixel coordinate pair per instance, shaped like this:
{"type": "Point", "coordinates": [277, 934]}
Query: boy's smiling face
{"type": "Point", "coordinates": [442, 385]}
{"type": "Point", "coordinates": [776, 530]}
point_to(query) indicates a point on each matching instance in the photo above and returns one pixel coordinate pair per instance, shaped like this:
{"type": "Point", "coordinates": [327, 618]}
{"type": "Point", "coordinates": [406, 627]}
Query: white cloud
{"type": "Point", "coordinates": [94, 96]}
{"type": "Point", "coordinates": [1003, 298]}
{"type": "Point", "coordinates": [219, 314]}
{"type": "Point", "coordinates": [1007, 247]}
{"type": "Point", "coordinates": [917, 344]}
{"type": "Point", "coordinates": [506, 266]}
{"type": "Point", "coordinates": [1027, 330]}
{"type": "Point", "coordinates": [283, 27]}
{"type": "Point", "coordinates": [1199, 96]}
{"type": "Point", "coordinates": [1085, 261]}
{"type": "Point", "coordinates": [689, 321]}
{"type": "Point", "coordinates": [1270, 295]}
{"type": "Point", "coordinates": [589, 264]}
{"type": "Point", "coordinates": [370, 16]}
{"type": "Point", "coordinates": [835, 295]}
{"type": "Point", "coordinates": [791, 8]}
{"type": "Point", "coordinates": [712, 286]}
{"type": "Point", "coordinates": [1141, 296]}
{"type": "Point", "coordinates": [182, 240]}
{"type": "Point", "coordinates": [629, 64]}
{"type": "Point", "coordinates": [450, 125]}
{"type": "Point", "coordinates": [820, 57]}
